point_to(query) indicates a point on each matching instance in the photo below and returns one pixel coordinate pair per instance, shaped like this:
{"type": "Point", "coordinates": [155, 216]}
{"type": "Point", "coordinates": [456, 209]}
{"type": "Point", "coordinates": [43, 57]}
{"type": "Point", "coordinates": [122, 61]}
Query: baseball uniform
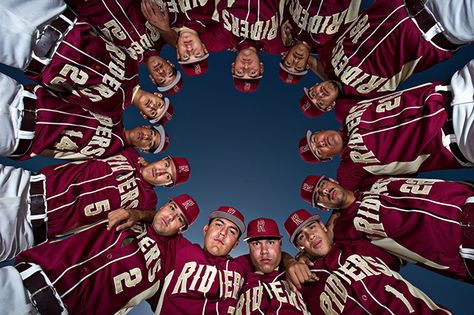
{"type": "Point", "coordinates": [243, 24]}
{"type": "Point", "coordinates": [395, 214]}
{"type": "Point", "coordinates": [315, 22]}
{"type": "Point", "coordinates": [357, 58]}
{"type": "Point", "coordinates": [269, 294]}
{"type": "Point", "coordinates": [359, 278]}
{"type": "Point", "coordinates": [193, 14]}
{"type": "Point", "coordinates": [95, 271]}
{"type": "Point", "coordinates": [122, 22]}
{"type": "Point", "coordinates": [416, 115]}
{"type": "Point", "coordinates": [201, 283]}
{"type": "Point", "coordinates": [60, 129]}
{"type": "Point", "coordinates": [77, 194]}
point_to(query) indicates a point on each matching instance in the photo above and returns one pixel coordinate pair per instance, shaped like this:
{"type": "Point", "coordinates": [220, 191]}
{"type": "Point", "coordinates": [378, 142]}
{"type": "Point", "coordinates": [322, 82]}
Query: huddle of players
{"type": "Point", "coordinates": [153, 259]}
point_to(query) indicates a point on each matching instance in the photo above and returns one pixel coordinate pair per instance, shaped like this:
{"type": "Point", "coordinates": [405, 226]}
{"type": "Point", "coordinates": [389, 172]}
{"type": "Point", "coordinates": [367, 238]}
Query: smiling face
{"type": "Point", "coordinates": [220, 237]}
{"type": "Point", "coordinates": [162, 72]}
{"type": "Point", "coordinates": [189, 47]}
{"type": "Point", "coordinates": [247, 65]}
{"type": "Point", "coordinates": [159, 173]}
{"type": "Point", "coordinates": [265, 254]}
{"type": "Point", "coordinates": [145, 138]}
{"type": "Point", "coordinates": [169, 219]}
{"type": "Point", "coordinates": [324, 95]}
{"type": "Point", "coordinates": [296, 59]}
{"type": "Point", "coordinates": [314, 239]}
{"type": "Point", "coordinates": [150, 105]}
{"type": "Point", "coordinates": [326, 144]}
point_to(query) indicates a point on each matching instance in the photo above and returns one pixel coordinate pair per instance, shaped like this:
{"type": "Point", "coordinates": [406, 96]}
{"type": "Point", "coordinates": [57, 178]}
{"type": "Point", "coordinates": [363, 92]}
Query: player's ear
{"type": "Point", "coordinates": [323, 226]}
{"type": "Point", "coordinates": [236, 244]}
{"type": "Point", "coordinates": [142, 161]}
{"type": "Point", "coordinates": [143, 115]}
{"type": "Point", "coordinates": [151, 78]}
{"type": "Point", "coordinates": [232, 69]}
{"type": "Point", "coordinates": [261, 68]}
{"type": "Point", "coordinates": [204, 230]}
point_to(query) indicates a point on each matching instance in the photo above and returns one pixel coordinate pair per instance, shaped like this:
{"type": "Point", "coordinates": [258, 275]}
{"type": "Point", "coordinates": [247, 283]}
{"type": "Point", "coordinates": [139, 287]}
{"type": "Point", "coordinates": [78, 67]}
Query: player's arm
{"type": "Point", "coordinates": [158, 16]}
{"type": "Point", "coordinates": [126, 218]}
{"type": "Point", "coordinates": [317, 68]}
{"type": "Point", "coordinates": [297, 271]}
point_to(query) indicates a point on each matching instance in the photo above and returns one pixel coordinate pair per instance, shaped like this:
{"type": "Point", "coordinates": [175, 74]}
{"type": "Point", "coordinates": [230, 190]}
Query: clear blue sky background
{"type": "Point", "coordinates": [243, 152]}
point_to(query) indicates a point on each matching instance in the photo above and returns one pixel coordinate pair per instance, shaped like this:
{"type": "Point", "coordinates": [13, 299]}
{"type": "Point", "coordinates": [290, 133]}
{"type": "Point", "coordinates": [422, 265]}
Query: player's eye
{"type": "Point", "coordinates": [181, 219]}
{"type": "Point", "coordinates": [271, 242]}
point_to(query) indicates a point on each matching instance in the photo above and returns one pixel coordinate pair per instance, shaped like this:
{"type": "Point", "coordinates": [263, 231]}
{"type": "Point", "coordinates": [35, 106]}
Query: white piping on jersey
{"type": "Point", "coordinates": [97, 270]}
{"type": "Point", "coordinates": [126, 16]}
{"type": "Point", "coordinates": [88, 259]}
{"type": "Point", "coordinates": [80, 183]}
{"type": "Point", "coordinates": [405, 123]}
{"type": "Point", "coordinates": [373, 297]}
{"type": "Point", "coordinates": [79, 196]}
{"type": "Point", "coordinates": [423, 212]}
{"type": "Point", "coordinates": [166, 284]}
{"type": "Point", "coordinates": [381, 40]}
{"type": "Point", "coordinates": [70, 114]}
{"type": "Point", "coordinates": [317, 13]}
{"type": "Point", "coordinates": [395, 93]}
{"type": "Point", "coordinates": [397, 167]}
{"type": "Point", "coordinates": [425, 200]}
{"type": "Point", "coordinates": [77, 125]}
{"type": "Point", "coordinates": [389, 116]}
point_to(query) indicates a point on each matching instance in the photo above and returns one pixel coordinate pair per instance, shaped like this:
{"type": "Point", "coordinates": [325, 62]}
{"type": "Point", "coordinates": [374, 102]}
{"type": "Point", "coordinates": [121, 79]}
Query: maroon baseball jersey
{"type": "Point", "coordinates": [98, 271]}
{"type": "Point", "coordinates": [80, 193]}
{"type": "Point", "coordinates": [200, 283]}
{"type": "Point", "coordinates": [122, 22]}
{"type": "Point", "coordinates": [357, 277]}
{"type": "Point", "coordinates": [358, 58]}
{"type": "Point", "coordinates": [245, 23]}
{"type": "Point", "coordinates": [64, 130]}
{"type": "Point", "coordinates": [315, 22]}
{"type": "Point", "coordinates": [193, 14]}
{"type": "Point", "coordinates": [91, 68]}
{"type": "Point", "coordinates": [269, 294]}
{"type": "Point", "coordinates": [395, 214]}
{"type": "Point", "coordinates": [379, 130]}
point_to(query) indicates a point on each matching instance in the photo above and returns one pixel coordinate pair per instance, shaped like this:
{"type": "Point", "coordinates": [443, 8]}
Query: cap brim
{"type": "Point", "coordinates": [162, 133]}
{"type": "Point", "coordinates": [172, 84]}
{"type": "Point", "coordinates": [302, 73]}
{"type": "Point", "coordinates": [262, 236]}
{"type": "Point", "coordinates": [187, 62]}
{"type": "Point", "coordinates": [229, 217]}
{"type": "Point", "coordinates": [315, 190]}
{"type": "Point", "coordinates": [157, 119]}
{"type": "Point", "coordinates": [309, 133]}
{"type": "Point", "coordinates": [315, 217]}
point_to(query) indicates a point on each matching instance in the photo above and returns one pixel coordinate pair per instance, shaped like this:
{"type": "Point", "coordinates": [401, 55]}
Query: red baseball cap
{"type": "Point", "coordinates": [164, 139]}
{"type": "Point", "coordinates": [230, 214]}
{"type": "Point", "coordinates": [166, 115]}
{"type": "Point", "coordinates": [290, 77]}
{"type": "Point", "coordinates": [262, 228]}
{"type": "Point", "coordinates": [183, 170]}
{"type": "Point", "coordinates": [309, 188]}
{"type": "Point", "coordinates": [305, 151]}
{"type": "Point", "coordinates": [308, 107]}
{"type": "Point", "coordinates": [188, 206]}
{"type": "Point", "coordinates": [196, 67]}
{"type": "Point", "coordinates": [296, 221]}
{"type": "Point", "coordinates": [174, 87]}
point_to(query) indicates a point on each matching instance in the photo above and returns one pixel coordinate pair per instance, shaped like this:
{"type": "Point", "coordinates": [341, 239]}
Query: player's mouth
{"type": "Point", "coordinates": [165, 223]}
{"type": "Point", "coordinates": [265, 261]}
{"type": "Point", "coordinates": [332, 193]}
{"type": "Point", "coordinates": [317, 243]}
{"type": "Point", "coordinates": [219, 241]}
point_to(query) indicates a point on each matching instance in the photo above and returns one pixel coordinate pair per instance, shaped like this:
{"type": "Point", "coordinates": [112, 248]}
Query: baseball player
{"type": "Point", "coordinates": [37, 122]}
{"type": "Point", "coordinates": [355, 277]}
{"type": "Point", "coordinates": [247, 27]}
{"type": "Point", "coordinates": [423, 29]}
{"type": "Point", "coordinates": [308, 25]}
{"type": "Point", "coordinates": [436, 116]}
{"type": "Point", "coordinates": [139, 27]}
{"type": "Point", "coordinates": [439, 212]}
{"type": "Point", "coordinates": [61, 198]}
{"type": "Point", "coordinates": [265, 291]}
{"type": "Point", "coordinates": [97, 271]}
{"type": "Point", "coordinates": [207, 281]}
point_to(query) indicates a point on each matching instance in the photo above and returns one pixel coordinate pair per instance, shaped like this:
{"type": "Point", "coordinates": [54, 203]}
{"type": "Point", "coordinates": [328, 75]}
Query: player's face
{"type": "Point", "coordinates": [265, 254]}
{"type": "Point", "coordinates": [314, 239]}
{"type": "Point", "coordinates": [326, 143]}
{"type": "Point", "coordinates": [189, 47]}
{"type": "Point", "coordinates": [169, 219]}
{"type": "Point", "coordinates": [247, 65]}
{"type": "Point", "coordinates": [145, 138]}
{"type": "Point", "coordinates": [151, 105]}
{"type": "Point", "coordinates": [159, 173]}
{"type": "Point", "coordinates": [161, 71]}
{"type": "Point", "coordinates": [220, 237]}
{"type": "Point", "coordinates": [297, 58]}
{"type": "Point", "coordinates": [330, 194]}
{"type": "Point", "coordinates": [324, 95]}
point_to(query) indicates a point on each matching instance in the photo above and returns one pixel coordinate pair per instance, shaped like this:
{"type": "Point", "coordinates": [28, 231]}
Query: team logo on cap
{"type": "Point", "coordinates": [296, 218]}
{"type": "Point", "coordinates": [307, 187]}
{"type": "Point", "coordinates": [261, 226]}
{"type": "Point", "coordinates": [197, 69]}
{"type": "Point", "coordinates": [290, 78]}
{"type": "Point", "coordinates": [188, 203]}
{"type": "Point", "coordinates": [176, 88]}
{"type": "Point", "coordinates": [183, 168]}
{"type": "Point", "coordinates": [304, 148]}
{"type": "Point", "coordinates": [247, 86]}
{"type": "Point", "coordinates": [231, 211]}
{"type": "Point", "coordinates": [305, 106]}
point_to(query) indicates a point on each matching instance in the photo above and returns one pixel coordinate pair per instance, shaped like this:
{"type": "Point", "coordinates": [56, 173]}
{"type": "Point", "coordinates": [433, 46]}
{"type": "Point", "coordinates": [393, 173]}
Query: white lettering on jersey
{"type": "Point", "coordinates": [259, 30]}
